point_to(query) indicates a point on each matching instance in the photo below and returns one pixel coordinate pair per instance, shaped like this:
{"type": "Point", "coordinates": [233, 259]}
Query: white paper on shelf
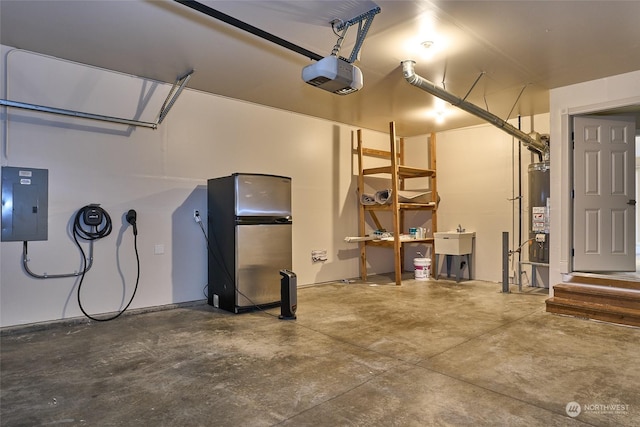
{"type": "Point", "coordinates": [350, 239]}
{"type": "Point", "coordinates": [413, 196]}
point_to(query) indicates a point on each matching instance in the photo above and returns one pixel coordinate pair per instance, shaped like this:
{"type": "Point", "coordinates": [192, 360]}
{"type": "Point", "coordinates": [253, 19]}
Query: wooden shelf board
{"type": "Point", "coordinates": [403, 171]}
{"type": "Point", "coordinates": [385, 154]}
{"type": "Point", "coordinates": [390, 243]}
{"type": "Point", "coordinates": [402, 206]}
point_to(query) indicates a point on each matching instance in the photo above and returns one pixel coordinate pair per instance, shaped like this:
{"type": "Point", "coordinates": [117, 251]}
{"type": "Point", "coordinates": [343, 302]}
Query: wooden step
{"type": "Point", "coordinates": [611, 296]}
{"type": "Point", "coordinates": [616, 281]}
{"type": "Point", "coordinates": [599, 302]}
{"type": "Point", "coordinates": [591, 310]}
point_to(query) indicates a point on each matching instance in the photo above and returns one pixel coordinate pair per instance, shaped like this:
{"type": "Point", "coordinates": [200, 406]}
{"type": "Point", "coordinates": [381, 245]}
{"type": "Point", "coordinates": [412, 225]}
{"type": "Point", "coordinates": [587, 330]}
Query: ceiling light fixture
{"type": "Point", "coordinates": [439, 116]}
{"type": "Point", "coordinates": [427, 44]}
{"type": "Point", "coordinates": [440, 111]}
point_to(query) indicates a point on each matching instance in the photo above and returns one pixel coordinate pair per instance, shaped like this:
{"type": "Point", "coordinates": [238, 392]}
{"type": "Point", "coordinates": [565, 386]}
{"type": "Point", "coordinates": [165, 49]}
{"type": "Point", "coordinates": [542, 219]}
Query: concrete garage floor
{"type": "Point", "coordinates": [363, 354]}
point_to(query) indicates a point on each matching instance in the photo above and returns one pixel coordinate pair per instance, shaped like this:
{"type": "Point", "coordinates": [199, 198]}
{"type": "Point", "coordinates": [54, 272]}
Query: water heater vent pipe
{"type": "Point", "coordinates": [533, 144]}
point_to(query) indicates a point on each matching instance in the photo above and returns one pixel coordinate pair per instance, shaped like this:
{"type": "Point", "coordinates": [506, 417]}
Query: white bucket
{"type": "Point", "coordinates": [422, 268]}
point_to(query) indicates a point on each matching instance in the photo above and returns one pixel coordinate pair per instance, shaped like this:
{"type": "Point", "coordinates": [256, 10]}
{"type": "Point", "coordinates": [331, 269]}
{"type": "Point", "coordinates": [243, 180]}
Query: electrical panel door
{"type": "Point", "coordinates": [24, 204]}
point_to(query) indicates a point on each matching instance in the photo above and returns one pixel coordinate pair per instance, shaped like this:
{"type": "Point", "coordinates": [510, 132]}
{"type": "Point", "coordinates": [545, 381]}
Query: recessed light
{"type": "Point", "coordinates": [427, 44]}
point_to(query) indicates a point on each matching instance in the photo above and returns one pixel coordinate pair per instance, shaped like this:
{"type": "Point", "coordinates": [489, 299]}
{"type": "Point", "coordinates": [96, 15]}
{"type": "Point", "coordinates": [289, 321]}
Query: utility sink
{"type": "Point", "coordinates": [454, 242]}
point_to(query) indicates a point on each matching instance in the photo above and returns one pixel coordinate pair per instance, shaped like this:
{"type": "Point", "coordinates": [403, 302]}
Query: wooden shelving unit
{"type": "Point", "coordinates": [397, 174]}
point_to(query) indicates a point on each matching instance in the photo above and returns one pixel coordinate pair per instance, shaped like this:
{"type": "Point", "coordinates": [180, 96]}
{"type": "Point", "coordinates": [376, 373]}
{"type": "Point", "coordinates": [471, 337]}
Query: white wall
{"type": "Point", "coordinates": [587, 97]}
{"type": "Point", "coordinates": [162, 175]}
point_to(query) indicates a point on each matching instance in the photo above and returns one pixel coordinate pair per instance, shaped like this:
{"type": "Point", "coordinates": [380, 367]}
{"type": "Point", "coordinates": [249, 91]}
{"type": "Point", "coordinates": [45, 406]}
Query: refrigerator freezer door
{"type": "Point", "coordinates": [262, 251]}
{"type": "Point", "coordinates": [263, 195]}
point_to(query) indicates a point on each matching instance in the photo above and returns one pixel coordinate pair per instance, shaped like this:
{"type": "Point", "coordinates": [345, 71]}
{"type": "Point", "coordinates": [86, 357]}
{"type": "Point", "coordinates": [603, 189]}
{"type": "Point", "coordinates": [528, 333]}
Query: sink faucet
{"type": "Point", "coordinates": [460, 229]}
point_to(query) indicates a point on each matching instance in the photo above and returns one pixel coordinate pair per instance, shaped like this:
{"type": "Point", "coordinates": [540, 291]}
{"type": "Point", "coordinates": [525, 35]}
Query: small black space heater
{"type": "Point", "coordinates": [288, 295]}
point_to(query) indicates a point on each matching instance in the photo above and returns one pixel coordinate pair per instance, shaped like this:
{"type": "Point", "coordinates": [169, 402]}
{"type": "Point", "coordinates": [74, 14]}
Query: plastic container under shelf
{"type": "Point", "coordinates": [422, 268]}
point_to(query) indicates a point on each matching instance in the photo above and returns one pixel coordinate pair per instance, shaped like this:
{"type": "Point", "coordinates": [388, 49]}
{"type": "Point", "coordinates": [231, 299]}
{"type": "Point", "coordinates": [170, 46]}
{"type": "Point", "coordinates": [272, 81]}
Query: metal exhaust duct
{"type": "Point", "coordinates": [533, 144]}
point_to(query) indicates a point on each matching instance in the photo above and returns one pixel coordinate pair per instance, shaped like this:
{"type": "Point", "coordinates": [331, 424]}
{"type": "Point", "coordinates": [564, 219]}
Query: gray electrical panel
{"type": "Point", "coordinates": [24, 204]}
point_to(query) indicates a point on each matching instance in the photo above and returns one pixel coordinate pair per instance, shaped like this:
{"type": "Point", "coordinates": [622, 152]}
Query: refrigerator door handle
{"type": "Point", "coordinates": [253, 220]}
{"type": "Point", "coordinates": [284, 220]}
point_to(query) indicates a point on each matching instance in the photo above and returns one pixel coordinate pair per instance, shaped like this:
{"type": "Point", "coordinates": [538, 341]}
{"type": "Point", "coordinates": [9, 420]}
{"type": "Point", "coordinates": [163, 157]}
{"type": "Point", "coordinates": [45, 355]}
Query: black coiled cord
{"type": "Point", "coordinates": [96, 232]}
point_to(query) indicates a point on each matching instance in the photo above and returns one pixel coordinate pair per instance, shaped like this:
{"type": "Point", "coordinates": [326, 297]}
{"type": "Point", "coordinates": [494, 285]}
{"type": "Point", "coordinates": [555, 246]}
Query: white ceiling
{"type": "Point", "coordinates": [530, 45]}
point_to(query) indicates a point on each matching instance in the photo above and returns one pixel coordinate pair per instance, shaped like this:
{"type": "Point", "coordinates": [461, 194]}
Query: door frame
{"type": "Point", "coordinates": [592, 96]}
{"type": "Point", "coordinates": [566, 173]}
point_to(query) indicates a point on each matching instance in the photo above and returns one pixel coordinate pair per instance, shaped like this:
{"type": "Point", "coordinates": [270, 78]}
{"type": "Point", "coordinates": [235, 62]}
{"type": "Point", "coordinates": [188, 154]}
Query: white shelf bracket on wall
{"type": "Point", "coordinates": [172, 97]}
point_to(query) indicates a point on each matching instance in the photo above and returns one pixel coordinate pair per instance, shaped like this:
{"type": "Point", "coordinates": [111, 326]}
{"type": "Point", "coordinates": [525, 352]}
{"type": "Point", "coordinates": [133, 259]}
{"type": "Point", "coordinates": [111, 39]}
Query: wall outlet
{"type": "Point", "coordinates": [319, 255]}
{"type": "Point", "coordinates": [196, 215]}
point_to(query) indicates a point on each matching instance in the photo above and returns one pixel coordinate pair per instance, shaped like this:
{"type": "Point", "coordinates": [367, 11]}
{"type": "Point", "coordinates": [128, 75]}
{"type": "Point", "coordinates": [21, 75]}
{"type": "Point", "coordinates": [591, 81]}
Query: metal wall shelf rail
{"type": "Point", "coordinates": [175, 91]}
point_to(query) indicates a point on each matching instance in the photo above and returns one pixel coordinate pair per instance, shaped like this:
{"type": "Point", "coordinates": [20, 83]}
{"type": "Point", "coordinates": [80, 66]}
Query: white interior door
{"type": "Point", "coordinates": [604, 194]}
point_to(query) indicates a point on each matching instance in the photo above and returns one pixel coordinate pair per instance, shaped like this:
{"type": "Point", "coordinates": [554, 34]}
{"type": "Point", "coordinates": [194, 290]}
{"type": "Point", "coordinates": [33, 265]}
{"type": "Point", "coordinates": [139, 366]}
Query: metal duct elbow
{"type": "Point", "coordinates": [411, 77]}
{"type": "Point", "coordinates": [409, 72]}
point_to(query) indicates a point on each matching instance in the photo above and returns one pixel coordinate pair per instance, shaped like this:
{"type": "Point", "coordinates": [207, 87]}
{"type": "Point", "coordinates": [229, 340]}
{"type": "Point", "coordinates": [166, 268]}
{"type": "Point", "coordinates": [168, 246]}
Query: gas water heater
{"type": "Point", "coordinates": [539, 187]}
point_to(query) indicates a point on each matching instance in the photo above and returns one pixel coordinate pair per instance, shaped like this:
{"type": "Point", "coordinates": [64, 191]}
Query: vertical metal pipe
{"type": "Point", "coordinates": [505, 262]}
{"type": "Point", "coordinates": [519, 193]}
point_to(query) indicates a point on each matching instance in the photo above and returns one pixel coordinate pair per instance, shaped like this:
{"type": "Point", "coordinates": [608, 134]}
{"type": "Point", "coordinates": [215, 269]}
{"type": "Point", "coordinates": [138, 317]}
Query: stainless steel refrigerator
{"type": "Point", "coordinates": [249, 227]}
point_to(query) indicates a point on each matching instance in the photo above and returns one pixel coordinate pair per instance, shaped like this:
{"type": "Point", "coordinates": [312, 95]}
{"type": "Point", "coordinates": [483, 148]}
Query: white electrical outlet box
{"type": "Point", "coordinates": [319, 255]}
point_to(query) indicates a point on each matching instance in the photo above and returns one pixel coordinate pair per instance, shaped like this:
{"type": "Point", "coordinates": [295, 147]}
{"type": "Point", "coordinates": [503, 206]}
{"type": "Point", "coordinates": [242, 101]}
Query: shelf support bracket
{"type": "Point", "coordinates": [177, 88]}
